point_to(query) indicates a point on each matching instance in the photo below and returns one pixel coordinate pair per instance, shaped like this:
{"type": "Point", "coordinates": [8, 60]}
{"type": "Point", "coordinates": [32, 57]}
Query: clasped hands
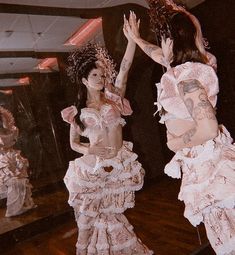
{"type": "Point", "coordinates": [104, 152]}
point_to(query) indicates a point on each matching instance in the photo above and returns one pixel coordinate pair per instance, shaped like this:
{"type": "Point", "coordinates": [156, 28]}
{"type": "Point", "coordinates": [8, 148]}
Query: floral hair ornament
{"type": "Point", "coordinates": [89, 54]}
{"type": "Point", "coordinates": [9, 137]}
{"type": "Point", "coordinates": [106, 63]}
{"type": "Point", "coordinates": [8, 121]}
{"type": "Point", "coordinates": [162, 11]}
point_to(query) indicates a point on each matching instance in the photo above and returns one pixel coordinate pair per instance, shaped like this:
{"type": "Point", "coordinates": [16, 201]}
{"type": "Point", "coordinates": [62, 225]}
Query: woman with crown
{"type": "Point", "coordinates": [187, 96]}
{"type": "Point", "coordinates": [102, 182]}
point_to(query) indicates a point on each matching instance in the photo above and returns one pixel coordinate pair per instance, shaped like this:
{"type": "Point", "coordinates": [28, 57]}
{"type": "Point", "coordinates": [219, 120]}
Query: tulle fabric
{"type": "Point", "coordinates": [208, 188]}
{"type": "Point", "coordinates": [99, 199]}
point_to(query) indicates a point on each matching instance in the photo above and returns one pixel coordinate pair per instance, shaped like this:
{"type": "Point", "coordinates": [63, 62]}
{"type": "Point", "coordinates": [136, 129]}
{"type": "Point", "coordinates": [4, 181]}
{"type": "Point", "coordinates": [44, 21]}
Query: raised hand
{"type": "Point", "coordinates": [125, 29]}
{"type": "Point", "coordinates": [132, 26]}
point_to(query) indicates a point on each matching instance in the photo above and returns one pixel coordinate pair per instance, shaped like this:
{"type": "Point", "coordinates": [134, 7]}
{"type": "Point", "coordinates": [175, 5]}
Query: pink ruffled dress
{"type": "Point", "coordinates": [99, 198]}
{"type": "Point", "coordinates": [14, 182]}
{"type": "Point", "coordinates": [207, 170]}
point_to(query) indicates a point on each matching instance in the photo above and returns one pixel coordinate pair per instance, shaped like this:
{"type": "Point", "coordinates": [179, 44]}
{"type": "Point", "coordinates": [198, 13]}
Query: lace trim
{"type": "Point", "coordinates": [101, 247]}
{"type": "Point", "coordinates": [111, 209]}
{"type": "Point", "coordinates": [101, 184]}
{"type": "Point", "coordinates": [196, 219]}
{"type": "Point", "coordinates": [227, 248]}
{"type": "Point", "coordinates": [109, 225]}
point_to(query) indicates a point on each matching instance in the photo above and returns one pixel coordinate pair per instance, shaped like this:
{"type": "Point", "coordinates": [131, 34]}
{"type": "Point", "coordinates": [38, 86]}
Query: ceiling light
{"type": "Point", "coordinates": [85, 32]}
{"type": "Point", "coordinates": [24, 81]}
{"type": "Point", "coordinates": [47, 63]}
{"type": "Point", "coordinates": [6, 92]}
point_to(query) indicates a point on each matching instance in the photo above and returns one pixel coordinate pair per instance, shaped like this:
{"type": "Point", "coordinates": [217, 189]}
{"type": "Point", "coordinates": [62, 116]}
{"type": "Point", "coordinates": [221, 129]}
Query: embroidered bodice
{"type": "Point", "coordinates": [109, 115]}
{"type": "Point", "coordinates": [169, 102]}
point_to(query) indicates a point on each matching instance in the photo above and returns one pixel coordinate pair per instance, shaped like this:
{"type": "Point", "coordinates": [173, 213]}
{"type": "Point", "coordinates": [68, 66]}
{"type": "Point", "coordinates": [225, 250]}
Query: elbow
{"type": "Point", "coordinates": [73, 145]}
{"type": "Point", "coordinates": [210, 132]}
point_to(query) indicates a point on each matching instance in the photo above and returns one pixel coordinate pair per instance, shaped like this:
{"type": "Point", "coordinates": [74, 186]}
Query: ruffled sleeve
{"type": "Point", "coordinates": [169, 97]}
{"type": "Point", "coordinates": [68, 114]}
{"type": "Point", "coordinates": [121, 103]}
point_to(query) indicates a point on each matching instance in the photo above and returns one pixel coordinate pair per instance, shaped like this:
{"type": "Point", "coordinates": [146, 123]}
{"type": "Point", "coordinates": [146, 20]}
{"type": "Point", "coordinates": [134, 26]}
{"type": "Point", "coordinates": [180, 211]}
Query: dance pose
{"type": "Point", "coordinates": [14, 182]}
{"type": "Point", "coordinates": [187, 95]}
{"type": "Point", "coordinates": [102, 182]}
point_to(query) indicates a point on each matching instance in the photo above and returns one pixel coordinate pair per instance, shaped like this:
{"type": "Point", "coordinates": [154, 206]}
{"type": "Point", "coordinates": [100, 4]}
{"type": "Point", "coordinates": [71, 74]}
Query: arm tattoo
{"type": "Point", "coordinates": [204, 109]}
{"type": "Point", "coordinates": [188, 135]}
{"type": "Point", "coordinates": [148, 49]}
{"type": "Point", "coordinates": [125, 65]}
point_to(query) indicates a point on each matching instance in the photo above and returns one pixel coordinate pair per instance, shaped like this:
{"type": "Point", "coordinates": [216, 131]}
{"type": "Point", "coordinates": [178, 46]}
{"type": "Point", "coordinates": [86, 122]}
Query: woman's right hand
{"type": "Point", "coordinates": [102, 152]}
{"type": "Point", "coordinates": [69, 113]}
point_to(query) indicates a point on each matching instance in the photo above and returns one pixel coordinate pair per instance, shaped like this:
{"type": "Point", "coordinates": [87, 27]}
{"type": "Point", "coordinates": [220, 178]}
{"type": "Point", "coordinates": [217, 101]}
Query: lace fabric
{"type": "Point", "coordinates": [169, 98]}
{"type": "Point", "coordinates": [14, 183]}
{"type": "Point", "coordinates": [99, 198]}
{"type": "Point", "coordinates": [208, 188]}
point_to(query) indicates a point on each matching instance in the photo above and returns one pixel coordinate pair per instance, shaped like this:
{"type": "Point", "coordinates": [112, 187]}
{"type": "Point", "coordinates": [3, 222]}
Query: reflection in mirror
{"type": "Point", "coordinates": [33, 49]}
{"type": "Point", "coordinates": [32, 38]}
{"type": "Point", "coordinates": [14, 183]}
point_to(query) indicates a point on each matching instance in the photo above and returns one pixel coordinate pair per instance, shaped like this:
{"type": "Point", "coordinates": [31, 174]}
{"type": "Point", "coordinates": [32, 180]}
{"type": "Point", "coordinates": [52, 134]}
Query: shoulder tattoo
{"type": "Point", "coordinates": [189, 86]}
{"type": "Point", "coordinates": [125, 64]}
{"type": "Point", "coordinates": [204, 109]}
{"type": "Point", "coordinates": [188, 135]}
{"type": "Point", "coordinates": [190, 105]}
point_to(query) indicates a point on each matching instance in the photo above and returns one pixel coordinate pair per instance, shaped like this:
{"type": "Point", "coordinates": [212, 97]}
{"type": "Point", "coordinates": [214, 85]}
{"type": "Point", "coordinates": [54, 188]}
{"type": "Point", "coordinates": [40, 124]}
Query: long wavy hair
{"type": "Point", "coordinates": [183, 33]}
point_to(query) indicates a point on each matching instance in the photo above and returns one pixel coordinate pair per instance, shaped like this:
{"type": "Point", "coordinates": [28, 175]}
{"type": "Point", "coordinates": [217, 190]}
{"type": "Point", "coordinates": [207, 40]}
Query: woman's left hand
{"type": "Point", "coordinates": [132, 26]}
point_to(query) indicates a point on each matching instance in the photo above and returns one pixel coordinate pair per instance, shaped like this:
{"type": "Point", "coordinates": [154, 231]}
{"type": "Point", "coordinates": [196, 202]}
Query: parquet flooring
{"type": "Point", "coordinates": [157, 218]}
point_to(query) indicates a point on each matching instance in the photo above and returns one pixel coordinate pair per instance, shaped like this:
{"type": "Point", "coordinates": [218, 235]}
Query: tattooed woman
{"type": "Point", "coordinates": [187, 95]}
{"type": "Point", "coordinates": [102, 182]}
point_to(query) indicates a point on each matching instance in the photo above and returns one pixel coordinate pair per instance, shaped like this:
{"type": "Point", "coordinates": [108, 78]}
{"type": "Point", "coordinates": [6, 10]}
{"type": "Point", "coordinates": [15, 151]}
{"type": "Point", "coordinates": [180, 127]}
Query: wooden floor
{"type": "Point", "coordinates": [157, 218]}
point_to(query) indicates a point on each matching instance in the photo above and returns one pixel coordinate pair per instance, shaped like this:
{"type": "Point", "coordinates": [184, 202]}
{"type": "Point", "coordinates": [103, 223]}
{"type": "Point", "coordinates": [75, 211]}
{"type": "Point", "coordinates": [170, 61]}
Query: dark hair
{"type": "Point", "coordinates": [183, 33]}
{"type": "Point", "coordinates": [1, 121]}
{"type": "Point", "coordinates": [80, 64]}
{"type": "Point", "coordinates": [82, 92]}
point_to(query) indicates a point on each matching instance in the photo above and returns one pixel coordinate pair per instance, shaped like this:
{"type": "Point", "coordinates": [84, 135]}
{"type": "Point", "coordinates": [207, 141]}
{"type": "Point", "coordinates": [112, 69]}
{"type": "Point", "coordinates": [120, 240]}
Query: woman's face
{"type": "Point", "coordinates": [95, 79]}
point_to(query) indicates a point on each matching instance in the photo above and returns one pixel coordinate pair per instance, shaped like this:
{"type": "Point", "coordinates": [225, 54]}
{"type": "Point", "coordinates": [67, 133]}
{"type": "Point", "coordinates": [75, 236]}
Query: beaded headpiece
{"type": "Point", "coordinates": [89, 54]}
{"type": "Point", "coordinates": [162, 11]}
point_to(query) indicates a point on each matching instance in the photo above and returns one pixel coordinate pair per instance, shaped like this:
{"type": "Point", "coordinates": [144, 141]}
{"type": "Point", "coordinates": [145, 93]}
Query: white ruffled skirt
{"type": "Point", "coordinates": [208, 188]}
{"type": "Point", "coordinates": [14, 183]}
{"type": "Point", "coordinates": [99, 199]}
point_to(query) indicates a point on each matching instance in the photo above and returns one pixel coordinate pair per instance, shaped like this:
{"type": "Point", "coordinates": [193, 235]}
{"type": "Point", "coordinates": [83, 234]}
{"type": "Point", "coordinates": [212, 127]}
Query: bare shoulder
{"type": "Point", "coordinates": [189, 86]}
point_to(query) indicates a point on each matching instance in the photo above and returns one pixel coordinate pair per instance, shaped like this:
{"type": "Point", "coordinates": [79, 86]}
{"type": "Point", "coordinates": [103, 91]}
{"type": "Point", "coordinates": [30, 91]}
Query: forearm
{"type": "Point", "coordinates": [127, 60]}
{"type": "Point", "coordinates": [152, 50]}
{"type": "Point", "coordinates": [128, 56]}
{"type": "Point", "coordinates": [192, 137]}
{"type": "Point", "coordinates": [75, 143]}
